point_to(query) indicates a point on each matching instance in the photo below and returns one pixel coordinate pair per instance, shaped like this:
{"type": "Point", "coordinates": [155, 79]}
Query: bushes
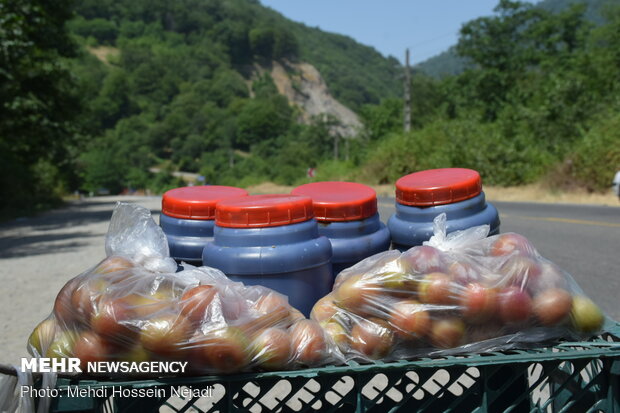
{"type": "Point", "coordinates": [457, 143]}
{"type": "Point", "coordinates": [26, 189]}
{"type": "Point", "coordinates": [104, 31]}
{"type": "Point", "coordinates": [597, 157]}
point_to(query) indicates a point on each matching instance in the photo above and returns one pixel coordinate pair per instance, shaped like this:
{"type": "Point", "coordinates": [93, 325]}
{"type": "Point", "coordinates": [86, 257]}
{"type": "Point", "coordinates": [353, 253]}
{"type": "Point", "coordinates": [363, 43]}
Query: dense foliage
{"type": "Point", "coordinates": [181, 87]}
{"type": "Point", "coordinates": [450, 62]}
{"type": "Point", "coordinates": [540, 101]}
{"type": "Point", "coordinates": [140, 89]}
{"type": "Point", "coordinates": [37, 107]}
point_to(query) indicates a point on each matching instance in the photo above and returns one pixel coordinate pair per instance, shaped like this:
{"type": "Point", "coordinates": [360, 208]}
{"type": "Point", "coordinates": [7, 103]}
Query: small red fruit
{"type": "Point", "coordinates": [113, 264]}
{"type": "Point", "coordinates": [463, 273]}
{"type": "Point", "coordinates": [324, 309]}
{"type": "Point", "coordinates": [86, 297]}
{"type": "Point", "coordinates": [166, 335]}
{"type": "Point", "coordinates": [410, 319]}
{"type": "Point", "coordinates": [552, 306]}
{"type": "Point", "coordinates": [272, 349]}
{"type": "Point", "coordinates": [338, 333]}
{"type": "Point", "coordinates": [515, 305]}
{"type": "Point", "coordinates": [113, 320]}
{"type": "Point", "coordinates": [308, 341]}
{"type": "Point", "coordinates": [437, 288]}
{"type": "Point", "coordinates": [479, 304]}
{"type": "Point", "coordinates": [551, 276]}
{"type": "Point", "coordinates": [372, 337]}
{"type": "Point", "coordinates": [145, 306]}
{"type": "Point", "coordinates": [422, 260]}
{"type": "Point", "coordinates": [223, 350]}
{"type": "Point", "coordinates": [447, 333]}
{"type": "Point", "coordinates": [357, 295]}
{"type": "Point", "coordinates": [510, 243]}
{"type": "Point", "coordinates": [194, 302]}
{"type": "Point", "coordinates": [521, 271]}
{"type": "Point", "coordinates": [91, 348]}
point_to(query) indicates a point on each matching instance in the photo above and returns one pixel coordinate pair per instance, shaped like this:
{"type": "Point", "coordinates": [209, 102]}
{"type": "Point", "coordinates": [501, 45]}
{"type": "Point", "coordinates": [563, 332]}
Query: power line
{"type": "Point", "coordinates": [407, 99]}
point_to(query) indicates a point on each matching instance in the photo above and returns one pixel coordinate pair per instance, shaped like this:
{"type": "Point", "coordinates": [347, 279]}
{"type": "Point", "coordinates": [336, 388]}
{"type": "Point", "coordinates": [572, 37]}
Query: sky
{"type": "Point", "coordinates": [427, 27]}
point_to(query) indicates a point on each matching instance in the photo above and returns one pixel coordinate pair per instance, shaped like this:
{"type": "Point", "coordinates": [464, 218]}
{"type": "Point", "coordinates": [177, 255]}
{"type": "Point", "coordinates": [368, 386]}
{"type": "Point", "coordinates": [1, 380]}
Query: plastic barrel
{"type": "Point", "coordinates": [273, 241]}
{"type": "Point", "coordinates": [421, 196]}
{"type": "Point", "coordinates": [348, 217]}
{"type": "Point", "coordinates": [187, 218]}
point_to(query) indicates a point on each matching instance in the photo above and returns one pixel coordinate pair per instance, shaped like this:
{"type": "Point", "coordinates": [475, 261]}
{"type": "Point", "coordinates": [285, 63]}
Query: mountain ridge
{"type": "Point", "coordinates": [449, 63]}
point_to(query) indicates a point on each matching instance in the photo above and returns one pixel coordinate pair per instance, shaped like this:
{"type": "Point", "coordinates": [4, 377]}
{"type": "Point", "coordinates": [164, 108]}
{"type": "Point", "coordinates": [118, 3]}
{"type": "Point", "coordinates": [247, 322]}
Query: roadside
{"type": "Point", "coordinates": [526, 193]}
{"type": "Point", "coordinates": [39, 254]}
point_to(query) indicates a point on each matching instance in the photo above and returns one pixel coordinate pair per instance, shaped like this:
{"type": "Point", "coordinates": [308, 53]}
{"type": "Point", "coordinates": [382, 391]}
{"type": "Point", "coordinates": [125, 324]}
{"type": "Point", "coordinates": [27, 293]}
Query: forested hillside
{"type": "Point", "coordinates": [540, 102]}
{"type": "Point", "coordinates": [449, 62]}
{"type": "Point", "coordinates": [187, 86]}
{"type": "Point", "coordinates": [101, 96]}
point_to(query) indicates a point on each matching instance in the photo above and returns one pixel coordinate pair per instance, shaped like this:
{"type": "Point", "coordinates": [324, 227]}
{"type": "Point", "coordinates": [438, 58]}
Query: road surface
{"type": "Point", "coordinates": [38, 255]}
{"type": "Point", "coordinates": [584, 240]}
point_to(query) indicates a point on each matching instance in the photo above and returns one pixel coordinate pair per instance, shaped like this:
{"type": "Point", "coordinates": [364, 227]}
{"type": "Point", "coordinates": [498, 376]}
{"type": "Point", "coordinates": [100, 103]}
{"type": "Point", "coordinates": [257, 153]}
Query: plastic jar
{"type": "Point", "coordinates": [274, 241]}
{"type": "Point", "coordinates": [421, 196]}
{"type": "Point", "coordinates": [347, 215]}
{"type": "Point", "coordinates": [188, 216]}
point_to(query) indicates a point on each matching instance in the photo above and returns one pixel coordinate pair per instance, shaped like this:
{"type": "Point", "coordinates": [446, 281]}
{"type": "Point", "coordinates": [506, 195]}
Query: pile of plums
{"type": "Point", "coordinates": [120, 311]}
{"type": "Point", "coordinates": [395, 305]}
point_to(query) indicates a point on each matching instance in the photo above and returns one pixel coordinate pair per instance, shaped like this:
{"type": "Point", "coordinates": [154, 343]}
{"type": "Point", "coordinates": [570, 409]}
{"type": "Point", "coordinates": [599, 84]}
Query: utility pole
{"type": "Point", "coordinates": [336, 136]}
{"type": "Point", "coordinates": [407, 108]}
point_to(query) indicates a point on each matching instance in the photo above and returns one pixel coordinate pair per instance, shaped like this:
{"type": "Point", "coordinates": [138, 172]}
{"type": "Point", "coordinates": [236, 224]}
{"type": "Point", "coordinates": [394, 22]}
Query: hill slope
{"type": "Point", "coordinates": [450, 63]}
{"type": "Point", "coordinates": [217, 87]}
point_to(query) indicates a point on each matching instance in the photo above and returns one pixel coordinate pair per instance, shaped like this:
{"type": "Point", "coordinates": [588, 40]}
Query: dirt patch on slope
{"type": "Point", "coordinates": [303, 86]}
{"type": "Point", "coordinates": [104, 53]}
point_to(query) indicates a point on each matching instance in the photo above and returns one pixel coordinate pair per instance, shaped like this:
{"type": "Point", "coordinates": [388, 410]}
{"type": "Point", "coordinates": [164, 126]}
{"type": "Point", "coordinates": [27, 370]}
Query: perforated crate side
{"type": "Point", "coordinates": [568, 377]}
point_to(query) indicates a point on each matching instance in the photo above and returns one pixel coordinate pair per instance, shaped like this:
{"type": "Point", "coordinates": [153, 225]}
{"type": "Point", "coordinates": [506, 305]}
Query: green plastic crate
{"type": "Point", "coordinates": [567, 377]}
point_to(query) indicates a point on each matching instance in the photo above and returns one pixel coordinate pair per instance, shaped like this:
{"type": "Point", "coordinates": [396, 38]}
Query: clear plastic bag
{"type": "Point", "coordinates": [459, 292]}
{"type": "Point", "coordinates": [133, 307]}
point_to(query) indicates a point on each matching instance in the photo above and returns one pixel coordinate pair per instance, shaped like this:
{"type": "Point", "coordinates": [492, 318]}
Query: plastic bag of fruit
{"type": "Point", "coordinates": [459, 292]}
{"type": "Point", "coordinates": [133, 307]}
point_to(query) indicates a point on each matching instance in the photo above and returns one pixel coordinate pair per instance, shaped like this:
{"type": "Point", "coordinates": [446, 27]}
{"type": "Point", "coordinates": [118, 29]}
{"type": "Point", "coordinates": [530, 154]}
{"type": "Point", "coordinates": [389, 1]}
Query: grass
{"type": "Point", "coordinates": [525, 193]}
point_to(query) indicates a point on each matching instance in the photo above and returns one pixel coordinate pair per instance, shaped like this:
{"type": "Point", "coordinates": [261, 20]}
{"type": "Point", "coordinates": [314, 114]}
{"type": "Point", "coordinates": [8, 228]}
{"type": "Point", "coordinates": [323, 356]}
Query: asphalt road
{"type": "Point", "coordinates": [584, 240]}
{"type": "Point", "coordinates": [38, 255]}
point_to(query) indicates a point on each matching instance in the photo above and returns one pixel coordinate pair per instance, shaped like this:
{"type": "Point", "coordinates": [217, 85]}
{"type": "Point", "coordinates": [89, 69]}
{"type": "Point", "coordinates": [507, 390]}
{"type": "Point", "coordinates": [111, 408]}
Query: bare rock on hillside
{"type": "Point", "coordinates": [304, 87]}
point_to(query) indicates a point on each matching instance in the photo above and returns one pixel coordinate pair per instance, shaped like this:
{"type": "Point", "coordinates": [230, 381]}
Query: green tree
{"type": "Point", "coordinates": [114, 101]}
{"type": "Point", "coordinates": [37, 123]}
{"type": "Point", "coordinates": [285, 44]}
{"type": "Point", "coordinates": [262, 41]}
{"type": "Point", "coordinates": [503, 48]}
{"type": "Point", "coordinates": [103, 169]}
{"type": "Point", "coordinates": [262, 119]}
{"type": "Point", "coordinates": [380, 120]}
{"type": "Point", "coordinates": [104, 31]}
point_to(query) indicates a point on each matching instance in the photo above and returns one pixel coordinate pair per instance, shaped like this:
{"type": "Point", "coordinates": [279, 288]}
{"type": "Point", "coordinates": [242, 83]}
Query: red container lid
{"type": "Point", "coordinates": [438, 187]}
{"type": "Point", "coordinates": [340, 201]}
{"type": "Point", "coordinates": [197, 202]}
{"type": "Point", "coordinates": [259, 211]}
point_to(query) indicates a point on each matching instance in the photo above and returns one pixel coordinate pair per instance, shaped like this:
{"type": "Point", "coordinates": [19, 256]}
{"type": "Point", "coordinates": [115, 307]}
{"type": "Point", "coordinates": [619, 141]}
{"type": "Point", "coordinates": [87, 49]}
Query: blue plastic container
{"type": "Point", "coordinates": [347, 215]}
{"type": "Point", "coordinates": [187, 218]}
{"type": "Point", "coordinates": [273, 241]}
{"type": "Point", "coordinates": [421, 196]}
